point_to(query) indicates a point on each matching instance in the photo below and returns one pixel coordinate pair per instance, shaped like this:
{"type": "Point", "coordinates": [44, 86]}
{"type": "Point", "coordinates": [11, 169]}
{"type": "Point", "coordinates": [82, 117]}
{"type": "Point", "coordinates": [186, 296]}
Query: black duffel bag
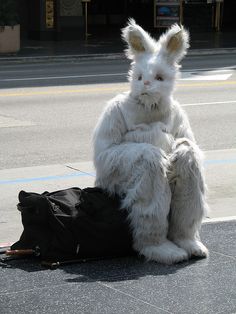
{"type": "Point", "coordinates": [74, 224]}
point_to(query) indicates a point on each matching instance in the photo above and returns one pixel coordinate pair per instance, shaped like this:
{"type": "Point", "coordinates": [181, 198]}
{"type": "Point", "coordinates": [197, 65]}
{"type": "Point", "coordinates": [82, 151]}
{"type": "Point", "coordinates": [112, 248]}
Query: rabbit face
{"type": "Point", "coordinates": [152, 79]}
{"type": "Point", "coordinates": [155, 63]}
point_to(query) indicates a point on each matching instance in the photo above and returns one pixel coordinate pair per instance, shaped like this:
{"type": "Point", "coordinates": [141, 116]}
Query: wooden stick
{"type": "Point", "coordinates": [20, 252]}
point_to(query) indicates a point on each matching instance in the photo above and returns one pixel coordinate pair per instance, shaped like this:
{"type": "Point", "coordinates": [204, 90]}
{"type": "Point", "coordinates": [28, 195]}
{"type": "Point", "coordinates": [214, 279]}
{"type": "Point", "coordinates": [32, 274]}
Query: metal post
{"type": "Point", "coordinates": [218, 14]}
{"type": "Point", "coordinates": [86, 17]}
{"type": "Point", "coordinates": [86, 20]}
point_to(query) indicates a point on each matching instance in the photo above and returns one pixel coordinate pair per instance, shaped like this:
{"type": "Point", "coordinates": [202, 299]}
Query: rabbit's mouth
{"type": "Point", "coordinates": [149, 97]}
{"type": "Point", "coordinates": [149, 101]}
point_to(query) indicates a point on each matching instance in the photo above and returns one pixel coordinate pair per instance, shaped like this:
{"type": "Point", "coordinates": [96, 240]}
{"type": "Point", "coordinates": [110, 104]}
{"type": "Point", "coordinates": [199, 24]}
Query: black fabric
{"type": "Point", "coordinates": [74, 223]}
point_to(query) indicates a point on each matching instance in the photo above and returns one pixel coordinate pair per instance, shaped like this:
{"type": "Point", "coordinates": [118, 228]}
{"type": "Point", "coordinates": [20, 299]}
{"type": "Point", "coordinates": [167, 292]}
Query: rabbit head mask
{"type": "Point", "coordinates": [154, 67]}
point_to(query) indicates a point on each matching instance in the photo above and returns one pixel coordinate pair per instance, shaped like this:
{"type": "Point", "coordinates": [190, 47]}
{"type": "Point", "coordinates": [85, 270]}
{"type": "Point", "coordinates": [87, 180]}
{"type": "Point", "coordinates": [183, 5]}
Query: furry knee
{"type": "Point", "coordinates": [188, 204]}
{"type": "Point", "coordinates": [148, 179]}
{"type": "Point", "coordinates": [149, 159]}
{"type": "Point", "coordinates": [155, 159]}
{"type": "Point", "coordinates": [186, 161]}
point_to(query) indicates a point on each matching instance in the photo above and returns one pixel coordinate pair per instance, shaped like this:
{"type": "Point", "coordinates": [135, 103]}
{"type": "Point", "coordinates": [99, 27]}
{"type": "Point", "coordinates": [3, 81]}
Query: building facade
{"type": "Point", "coordinates": [69, 19]}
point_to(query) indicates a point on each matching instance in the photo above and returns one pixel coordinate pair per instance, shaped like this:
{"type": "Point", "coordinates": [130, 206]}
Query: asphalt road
{"type": "Point", "coordinates": [91, 71]}
{"type": "Point", "coordinates": [48, 111]}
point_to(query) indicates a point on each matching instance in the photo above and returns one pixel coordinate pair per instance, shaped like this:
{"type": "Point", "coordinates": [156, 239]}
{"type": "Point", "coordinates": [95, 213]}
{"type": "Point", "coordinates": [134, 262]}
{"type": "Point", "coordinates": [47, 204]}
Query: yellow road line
{"type": "Point", "coordinates": [63, 91]}
{"type": "Point", "coordinates": [207, 84]}
{"type": "Point", "coordinates": [106, 89]}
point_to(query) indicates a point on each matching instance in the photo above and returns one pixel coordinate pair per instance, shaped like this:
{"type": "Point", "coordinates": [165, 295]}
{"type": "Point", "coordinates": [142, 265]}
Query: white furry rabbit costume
{"type": "Point", "coordinates": [145, 151]}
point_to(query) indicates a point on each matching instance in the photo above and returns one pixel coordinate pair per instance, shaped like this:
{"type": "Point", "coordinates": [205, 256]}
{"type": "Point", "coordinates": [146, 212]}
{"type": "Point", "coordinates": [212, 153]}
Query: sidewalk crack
{"type": "Point", "coordinates": [88, 173]}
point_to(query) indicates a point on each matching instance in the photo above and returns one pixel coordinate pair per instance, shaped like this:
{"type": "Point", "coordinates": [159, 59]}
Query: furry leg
{"type": "Point", "coordinates": [139, 171]}
{"type": "Point", "coordinates": [188, 205]}
{"type": "Point", "coordinates": [148, 200]}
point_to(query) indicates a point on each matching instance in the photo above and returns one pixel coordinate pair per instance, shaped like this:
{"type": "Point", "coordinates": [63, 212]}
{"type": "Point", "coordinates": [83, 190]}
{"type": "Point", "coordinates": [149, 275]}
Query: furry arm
{"type": "Point", "coordinates": [181, 126]}
{"type": "Point", "coordinates": [109, 130]}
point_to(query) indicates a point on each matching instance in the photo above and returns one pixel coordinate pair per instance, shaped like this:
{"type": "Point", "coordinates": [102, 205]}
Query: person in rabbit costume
{"type": "Point", "coordinates": [145, 151]}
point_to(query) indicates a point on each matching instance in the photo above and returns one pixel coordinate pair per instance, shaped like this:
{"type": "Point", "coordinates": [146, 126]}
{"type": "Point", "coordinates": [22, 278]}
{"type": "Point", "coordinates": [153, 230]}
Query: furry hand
{"type": "Point", "coordinates": [159, 127]}
{"type": "Point", "coordinates": [140, 127]}
{"type": "Point", "coordinates": [154, 133]}
{"type": "Point", "coordinates": [163, 138]}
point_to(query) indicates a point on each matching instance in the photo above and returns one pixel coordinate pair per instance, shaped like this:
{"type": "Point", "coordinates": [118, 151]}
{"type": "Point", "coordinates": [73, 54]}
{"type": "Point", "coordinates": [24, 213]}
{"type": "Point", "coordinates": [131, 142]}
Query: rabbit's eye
{"type": "Point", "coordinates": [159, 78]}
{"type": "Point", "coordinates": [140, 77]}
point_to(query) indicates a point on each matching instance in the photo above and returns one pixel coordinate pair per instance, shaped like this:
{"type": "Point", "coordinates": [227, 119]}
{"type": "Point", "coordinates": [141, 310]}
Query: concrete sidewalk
{"type": "Point", "coordinates": [110, 46]}
{"type": "Point", "coordinates": [128, 285]}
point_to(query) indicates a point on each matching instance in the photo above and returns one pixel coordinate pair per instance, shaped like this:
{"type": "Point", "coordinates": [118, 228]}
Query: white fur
{"type": "Point", "coordinates": [145, 151]}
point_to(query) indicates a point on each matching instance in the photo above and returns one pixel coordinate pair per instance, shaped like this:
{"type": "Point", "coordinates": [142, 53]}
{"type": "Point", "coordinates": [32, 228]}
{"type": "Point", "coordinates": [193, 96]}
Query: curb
{"type": "Point", "coordinates": [101, 56]}
{"type": "Point", "coordinates": [213, 51]}
{"type": "Point", "coordinates": [219, 219]}
{"type": "Point", "coordinates": [62, 58]}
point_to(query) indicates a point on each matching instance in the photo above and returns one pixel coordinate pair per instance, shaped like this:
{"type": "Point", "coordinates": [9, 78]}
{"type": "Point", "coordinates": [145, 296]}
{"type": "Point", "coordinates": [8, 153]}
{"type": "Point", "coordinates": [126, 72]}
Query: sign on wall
{"type": "Point", "coordinates": [49, 14]}
{"type": "Point", "coordinates": [71, 8]}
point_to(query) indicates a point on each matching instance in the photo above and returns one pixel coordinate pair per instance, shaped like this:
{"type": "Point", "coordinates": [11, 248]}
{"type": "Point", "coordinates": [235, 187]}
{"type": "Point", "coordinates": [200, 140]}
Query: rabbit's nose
{"type": "Point", "coordinates": [146, 82]}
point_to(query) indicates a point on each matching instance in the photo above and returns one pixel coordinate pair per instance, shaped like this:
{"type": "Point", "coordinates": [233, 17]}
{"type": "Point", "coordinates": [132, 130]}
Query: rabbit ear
{"type": "Point", "coordinates": [174, 43]}
{"type": "Point", "coordinates": [138, 40]}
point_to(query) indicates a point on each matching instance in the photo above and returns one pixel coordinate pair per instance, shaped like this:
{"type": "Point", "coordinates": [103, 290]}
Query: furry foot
{"type": "Point", "coordinates": [193, 247]}
{"type": "Point", "coordinates": [165, 253]}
